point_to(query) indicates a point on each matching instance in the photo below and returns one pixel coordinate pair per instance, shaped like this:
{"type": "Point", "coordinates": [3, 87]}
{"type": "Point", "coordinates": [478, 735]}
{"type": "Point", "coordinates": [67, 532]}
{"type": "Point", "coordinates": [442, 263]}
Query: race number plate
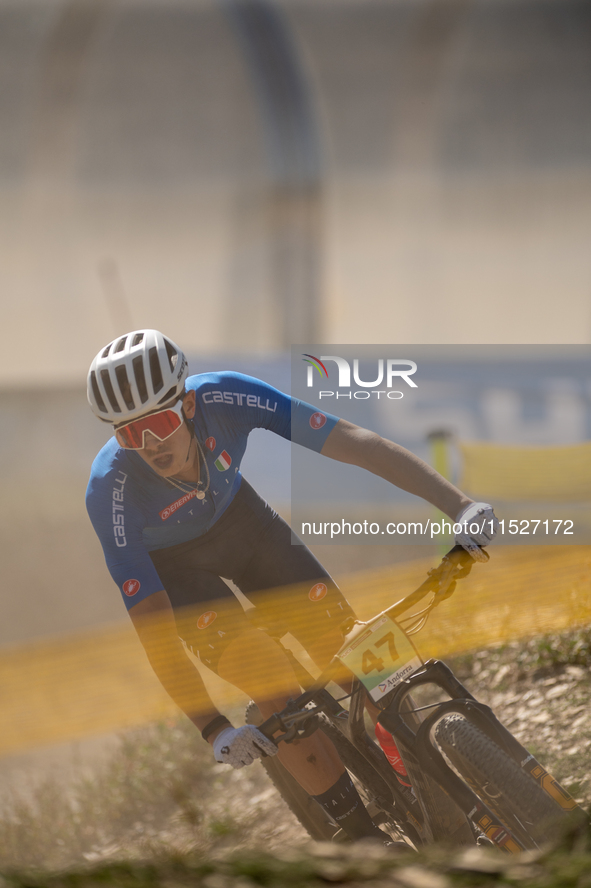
{"type": "Point", "coordinates": [381, 656]}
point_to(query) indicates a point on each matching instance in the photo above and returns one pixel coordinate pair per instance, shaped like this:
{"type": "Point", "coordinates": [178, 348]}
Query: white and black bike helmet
{"type": "Point", "coordinates": [135, 374]}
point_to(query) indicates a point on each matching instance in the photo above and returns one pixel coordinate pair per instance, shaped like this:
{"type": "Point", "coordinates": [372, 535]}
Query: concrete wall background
{"type": "Point", "coordinates": [135, 178]}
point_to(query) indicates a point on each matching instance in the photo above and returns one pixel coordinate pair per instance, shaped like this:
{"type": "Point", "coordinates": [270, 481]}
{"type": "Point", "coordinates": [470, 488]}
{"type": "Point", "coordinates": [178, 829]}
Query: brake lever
{"type": "Point", "coordinates": [298, 729]}
{"type": "Point", "coordinates": [288, 736]}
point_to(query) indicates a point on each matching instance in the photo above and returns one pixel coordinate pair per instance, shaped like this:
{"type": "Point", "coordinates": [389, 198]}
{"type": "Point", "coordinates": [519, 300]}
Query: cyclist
{"type": "Point", "coordinates": [174, 515]}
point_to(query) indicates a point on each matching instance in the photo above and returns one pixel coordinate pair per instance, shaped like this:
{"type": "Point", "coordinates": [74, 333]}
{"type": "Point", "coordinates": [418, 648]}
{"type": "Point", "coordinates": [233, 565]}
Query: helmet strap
{"type": "Point", "coordinates": [192, 434]}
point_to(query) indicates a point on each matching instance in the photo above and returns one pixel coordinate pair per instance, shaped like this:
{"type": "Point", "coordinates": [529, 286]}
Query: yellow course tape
{"type": "Point", "coordinates": [101, 681]}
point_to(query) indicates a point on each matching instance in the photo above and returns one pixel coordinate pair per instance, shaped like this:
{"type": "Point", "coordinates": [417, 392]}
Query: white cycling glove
{"type": "Point", "coordinates": [479, 526]}
{"type": "Point", "coordinates": [241, 746]}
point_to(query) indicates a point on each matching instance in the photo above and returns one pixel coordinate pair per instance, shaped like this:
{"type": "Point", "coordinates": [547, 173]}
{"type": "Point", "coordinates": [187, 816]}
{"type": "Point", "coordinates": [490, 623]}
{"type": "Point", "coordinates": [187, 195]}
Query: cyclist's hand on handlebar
{"type": "Point", "coordinates": [479, 526]}
{"type": "Point", "coordinates": [241, 746]}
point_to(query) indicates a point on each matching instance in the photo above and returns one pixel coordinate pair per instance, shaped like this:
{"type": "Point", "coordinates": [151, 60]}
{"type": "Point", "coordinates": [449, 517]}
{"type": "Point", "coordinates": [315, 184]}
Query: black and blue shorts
{"type": "Point", "coordinates": [251, 545]}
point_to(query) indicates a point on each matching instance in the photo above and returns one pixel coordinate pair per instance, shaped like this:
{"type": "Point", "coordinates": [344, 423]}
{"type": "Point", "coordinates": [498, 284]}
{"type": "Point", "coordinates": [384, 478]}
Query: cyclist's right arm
{"type": "Point", "coordinates": [118, 521]}
{"type": "Point", "coordinates": [154, 622]}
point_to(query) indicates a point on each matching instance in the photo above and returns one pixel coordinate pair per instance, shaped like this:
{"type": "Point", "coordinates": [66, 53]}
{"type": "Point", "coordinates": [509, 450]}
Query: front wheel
{"type": "Point", "coordinates": [498, 781]}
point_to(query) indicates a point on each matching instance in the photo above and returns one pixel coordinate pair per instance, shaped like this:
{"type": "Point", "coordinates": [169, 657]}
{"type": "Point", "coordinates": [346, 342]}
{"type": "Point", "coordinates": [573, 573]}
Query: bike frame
{"type": "Point", "coordinates": [412, 734]}
{"type": "Point", "coordinates": [298, 721]}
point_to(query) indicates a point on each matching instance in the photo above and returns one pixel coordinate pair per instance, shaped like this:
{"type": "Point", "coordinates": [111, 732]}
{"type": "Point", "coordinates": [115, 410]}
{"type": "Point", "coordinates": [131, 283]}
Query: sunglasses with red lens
{"type": "Point", "coordinates": [162, 425]}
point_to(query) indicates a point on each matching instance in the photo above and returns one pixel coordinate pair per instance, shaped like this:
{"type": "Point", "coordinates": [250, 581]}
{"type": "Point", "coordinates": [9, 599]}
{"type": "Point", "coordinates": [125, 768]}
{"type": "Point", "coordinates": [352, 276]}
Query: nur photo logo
{"type": "Point", "coordinates": [388, 371]}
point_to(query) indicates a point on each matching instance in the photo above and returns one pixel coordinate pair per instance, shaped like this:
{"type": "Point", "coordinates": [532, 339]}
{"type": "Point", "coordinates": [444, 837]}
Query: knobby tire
{"type": "Point", "coordinates": [498, 780]}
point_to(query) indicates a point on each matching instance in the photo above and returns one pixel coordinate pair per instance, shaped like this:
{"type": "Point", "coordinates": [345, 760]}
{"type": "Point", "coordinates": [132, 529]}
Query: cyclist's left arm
{"type": "Point", "coordinates": [256, 404]}
{"type": "Point", "coordinates": [352, 444]}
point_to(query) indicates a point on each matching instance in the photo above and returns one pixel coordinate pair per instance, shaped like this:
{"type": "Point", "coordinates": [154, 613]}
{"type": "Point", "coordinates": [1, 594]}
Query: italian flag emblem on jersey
{"type": "Point", "coordinates": [223, 462]}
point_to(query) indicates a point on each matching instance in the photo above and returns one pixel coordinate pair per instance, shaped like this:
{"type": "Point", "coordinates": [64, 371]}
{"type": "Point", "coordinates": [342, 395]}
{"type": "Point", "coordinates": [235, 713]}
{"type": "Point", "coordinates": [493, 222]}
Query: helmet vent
{"type": "Point", "coordinates": [137, 339]}
{"type": "Point", "coordinates": [106, 351]}
{"type": "Point", "coordinates": [124, 386]}
{"type": "Point", "coordinates": [121, 344]}
{"type": "Point", "coordinates": [96, 393]}
{"type": "Point", "coordinates": [172, 353]}
{"type": "Point", "coordinates": [155, 371]}
{"type": "Point", "coordinates": [169, 394]}
{"type": "Point", "coordinates": [140, 379]}
{"type": "Point", "coordinates": [106, 380]}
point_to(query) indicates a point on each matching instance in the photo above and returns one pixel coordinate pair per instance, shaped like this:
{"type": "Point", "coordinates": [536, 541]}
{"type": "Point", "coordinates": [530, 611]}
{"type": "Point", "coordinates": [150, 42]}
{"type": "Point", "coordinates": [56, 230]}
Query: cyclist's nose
{"type": "Point", "coordinates": [152, 444]}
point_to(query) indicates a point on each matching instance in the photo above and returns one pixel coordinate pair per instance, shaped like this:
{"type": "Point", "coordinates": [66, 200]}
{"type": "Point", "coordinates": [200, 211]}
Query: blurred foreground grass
{"type": "Point", "coordinates": [565, 866]}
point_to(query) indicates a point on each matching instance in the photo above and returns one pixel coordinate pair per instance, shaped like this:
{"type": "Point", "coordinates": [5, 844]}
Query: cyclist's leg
{"type": "Point", "coordinates": [255, 663]}
{"type": "Point", "coordinates": [313, 761]}
{"type": "Point", "coordinates": [288, 585]}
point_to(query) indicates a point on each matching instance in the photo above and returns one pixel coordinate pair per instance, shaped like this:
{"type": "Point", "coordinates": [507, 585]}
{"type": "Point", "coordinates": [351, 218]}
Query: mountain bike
{"type": "Point", "coordinates": [471, 781]}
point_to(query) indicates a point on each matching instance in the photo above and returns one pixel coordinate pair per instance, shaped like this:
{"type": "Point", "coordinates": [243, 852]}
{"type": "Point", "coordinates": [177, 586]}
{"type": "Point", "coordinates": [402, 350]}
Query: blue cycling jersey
{"type": "Point", "coordinates": [135, 511]}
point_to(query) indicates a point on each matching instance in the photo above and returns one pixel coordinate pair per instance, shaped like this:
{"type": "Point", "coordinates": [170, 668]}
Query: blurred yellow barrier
{"type": "Point", "coordinates": [498, 472]}
{"type": "Point", "coordinates": [101, 681]}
